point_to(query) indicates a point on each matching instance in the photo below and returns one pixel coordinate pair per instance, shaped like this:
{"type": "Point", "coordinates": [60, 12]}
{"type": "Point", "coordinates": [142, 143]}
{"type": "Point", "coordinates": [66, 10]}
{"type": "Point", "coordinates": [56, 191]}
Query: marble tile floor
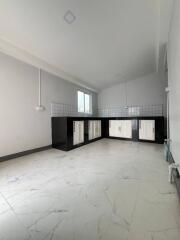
{"type": "Point", "coordinates": [107, 190]}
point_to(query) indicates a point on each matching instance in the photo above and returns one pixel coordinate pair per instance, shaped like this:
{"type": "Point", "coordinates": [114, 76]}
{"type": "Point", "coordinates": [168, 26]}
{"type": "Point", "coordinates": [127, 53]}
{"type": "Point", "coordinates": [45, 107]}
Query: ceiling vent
{"type": "Point", "coordinates": [69, 17]}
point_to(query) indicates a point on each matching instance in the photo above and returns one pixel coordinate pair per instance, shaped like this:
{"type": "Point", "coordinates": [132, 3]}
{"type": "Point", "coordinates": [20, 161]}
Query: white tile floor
{"type": "Point", "coordinates": [107, 190]}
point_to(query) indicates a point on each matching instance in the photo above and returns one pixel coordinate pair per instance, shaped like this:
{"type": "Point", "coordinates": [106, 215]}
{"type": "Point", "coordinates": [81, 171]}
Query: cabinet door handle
{"type": "Point", "coordinates": [139, 123]}
{"type": "Point", "coordinates": [73, 126]}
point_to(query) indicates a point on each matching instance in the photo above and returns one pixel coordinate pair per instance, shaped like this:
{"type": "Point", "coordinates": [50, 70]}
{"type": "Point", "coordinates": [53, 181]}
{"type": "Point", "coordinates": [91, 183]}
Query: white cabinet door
{"type": "Point", "coordinates": [120, 128]}
{"type": "Point", "coordinates": [147, 130]}
{"type": "Point", "coordinates": [81, 131]}
{"type": "Point", "coordinates": [90, 130]}
{"type": "Point", "coordinates": [120, 125]}
{"type": "Point", "coordinates": [126, 128]}
{"type": "Point", "coordinates": [94, 129]}
{"type": "Point", "coordinates": [99, 128]}
{"type": "Point", "coordinates": [78, 132]}
{"type": "Point", "coordinates": [113, 128]}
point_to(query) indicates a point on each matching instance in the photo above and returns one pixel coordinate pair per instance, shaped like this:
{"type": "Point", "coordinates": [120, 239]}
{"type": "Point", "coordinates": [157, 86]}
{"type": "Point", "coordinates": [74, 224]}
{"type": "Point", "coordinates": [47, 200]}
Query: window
{"type": "Point", "coordinates": [87, 103]}
{"type": "Point", "coordinates": [80, 101]}
{"type": "Point", "coordinates": [84, 102]}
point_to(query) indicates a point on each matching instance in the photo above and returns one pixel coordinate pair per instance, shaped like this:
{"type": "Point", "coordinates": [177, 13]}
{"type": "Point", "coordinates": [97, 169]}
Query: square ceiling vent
{"type": "Point", "coordinates": [69, 17]}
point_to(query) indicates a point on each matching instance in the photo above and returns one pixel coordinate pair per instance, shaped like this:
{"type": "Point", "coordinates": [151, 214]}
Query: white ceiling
{"type": "Point", "coordinates": [109, 41]}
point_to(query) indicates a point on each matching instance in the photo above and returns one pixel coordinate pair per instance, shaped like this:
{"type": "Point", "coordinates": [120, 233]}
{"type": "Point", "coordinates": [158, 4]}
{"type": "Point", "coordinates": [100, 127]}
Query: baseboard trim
{"type": "Point", "coordinates": [24, 153]}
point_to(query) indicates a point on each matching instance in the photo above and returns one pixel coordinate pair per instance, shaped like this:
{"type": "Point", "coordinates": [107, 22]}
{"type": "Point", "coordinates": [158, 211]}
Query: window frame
{"type": "Point", "coordinates": [84, 102]}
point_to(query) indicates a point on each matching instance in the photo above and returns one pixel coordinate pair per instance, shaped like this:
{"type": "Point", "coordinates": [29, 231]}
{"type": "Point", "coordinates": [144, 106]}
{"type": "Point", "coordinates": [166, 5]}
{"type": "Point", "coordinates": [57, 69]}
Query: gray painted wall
{"type": "Point", "coordinates": [174, 81]}
{"type": "Point", "coordinates": [21, 126]}
{"type": "Point", "coordinates": [147, 90]}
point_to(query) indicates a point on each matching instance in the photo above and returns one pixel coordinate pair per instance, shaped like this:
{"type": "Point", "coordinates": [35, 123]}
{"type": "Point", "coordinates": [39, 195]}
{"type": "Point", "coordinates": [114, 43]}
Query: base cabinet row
{"type": "Point", "coordinates": [71, 132]}
{"type": "Point", "coordinates": [124, 129]}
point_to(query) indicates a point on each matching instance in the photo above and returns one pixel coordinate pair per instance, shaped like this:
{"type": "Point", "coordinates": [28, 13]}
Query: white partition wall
{"type": "Point", "coordinates": [120, 128]}
{"type": "Point", "coordinates": [174, 82]}
{"type": "Point", "coordinates": [78, 132]}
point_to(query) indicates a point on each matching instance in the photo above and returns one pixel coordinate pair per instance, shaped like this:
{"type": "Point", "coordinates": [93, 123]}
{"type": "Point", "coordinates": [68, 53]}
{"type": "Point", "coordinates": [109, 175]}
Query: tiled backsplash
{"type": "Point", "coordinates": [60, 109]}
{"type": "Point", "coordinates": [130, 111]}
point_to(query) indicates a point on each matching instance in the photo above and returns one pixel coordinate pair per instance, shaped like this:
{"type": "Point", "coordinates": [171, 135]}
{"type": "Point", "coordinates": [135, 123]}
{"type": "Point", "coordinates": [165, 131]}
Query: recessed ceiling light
{"type": "Point", "coordinates": [69, 17]}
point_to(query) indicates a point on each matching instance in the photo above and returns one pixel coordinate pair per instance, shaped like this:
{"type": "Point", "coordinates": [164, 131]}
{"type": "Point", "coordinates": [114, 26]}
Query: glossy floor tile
{"type": "Point", "coordinates": [107, 190]}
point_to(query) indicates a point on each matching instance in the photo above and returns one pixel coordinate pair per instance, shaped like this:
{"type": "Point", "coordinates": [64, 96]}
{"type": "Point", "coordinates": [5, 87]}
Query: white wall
{"type": "Point", "coordinates": [174, 80]}
{"type": "Point", "coordinates": [147, 90]}
{"type": "Point", "coordinates": [150, 89]}
{"type": "Point", "coordinates": [21, 126]}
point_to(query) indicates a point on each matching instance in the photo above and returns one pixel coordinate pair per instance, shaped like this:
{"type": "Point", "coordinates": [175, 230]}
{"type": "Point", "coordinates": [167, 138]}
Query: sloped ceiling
{"type": "Point", "coordinates": [109, 41]}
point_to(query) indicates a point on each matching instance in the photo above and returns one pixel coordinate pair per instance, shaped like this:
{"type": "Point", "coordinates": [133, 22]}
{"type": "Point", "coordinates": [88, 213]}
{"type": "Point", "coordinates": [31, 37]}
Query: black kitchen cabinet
{"type": "Point", "coordinates": [72, 132]}
{"type": "Point", "coordinates": [64, 133]}
{"type": "Point", "coordinates": [136, 126]}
